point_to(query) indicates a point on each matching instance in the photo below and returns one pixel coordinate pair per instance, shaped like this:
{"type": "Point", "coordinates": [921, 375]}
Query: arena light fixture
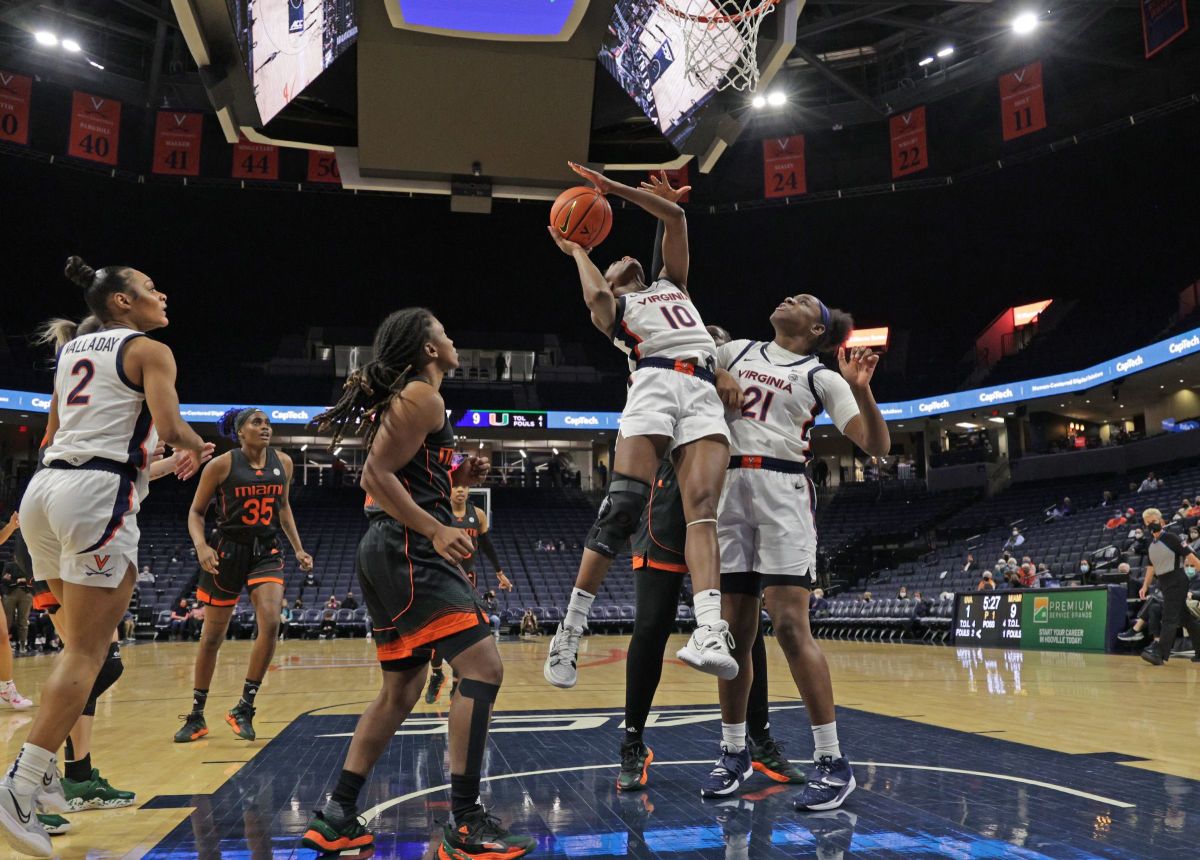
{"type": "Point", "coordinates": [555, 450]}
{"type": "Point", "coordinates": [777, 98]}
{"type": "Point", "coordinates": [759, 101]}
{"type": "Point", "coordinates": [71, 46]}
{"type": "Point", "coordinates": [946, 51]}
{"type": "Point", "coordinates": [1025, 23]}
{"type": "Point", "coordinates": [925, 62]}
{"type": "Point", "coordinates": [337, 450]}
{"type": "Point", "coordinates": [524, 456]}
{"type": "Point", "coordinates": [95, 65]}
{"type": "Point", "coordinates": [45, 37]}
{"type": "Point", "coordinates": [967, 425]}
{"type": "Point", "coordinates": [996, 419]}
{"type": "Point", "coordinates": [303, 447]}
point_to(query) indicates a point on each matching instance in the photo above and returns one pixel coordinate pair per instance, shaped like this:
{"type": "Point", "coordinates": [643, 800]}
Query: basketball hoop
{"type": "Point", "coordinates": [720, 40]}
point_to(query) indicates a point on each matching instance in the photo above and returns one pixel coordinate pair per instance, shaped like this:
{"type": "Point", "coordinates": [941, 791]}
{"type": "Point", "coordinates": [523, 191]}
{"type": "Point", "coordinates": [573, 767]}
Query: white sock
{"type": "Point", "coordinates": [733, 737]}
{"type": "Point", "coordinates": [708, 607]}
{"type": "Point", "coordinates": [578, 608]}
{"type": "Point", "coordinates": [826, 741]}
{"type": "Point", "coordinates": [31, 765]}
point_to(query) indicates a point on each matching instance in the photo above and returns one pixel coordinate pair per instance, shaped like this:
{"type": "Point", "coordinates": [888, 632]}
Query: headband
{"type": "Point", "coordinates": [824, 313]}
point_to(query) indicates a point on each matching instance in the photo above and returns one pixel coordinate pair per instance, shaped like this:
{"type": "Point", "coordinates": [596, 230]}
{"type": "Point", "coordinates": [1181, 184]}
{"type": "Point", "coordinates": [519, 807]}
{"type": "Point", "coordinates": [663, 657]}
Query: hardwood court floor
{"type": "Point", "coordinates": [1116, 713]}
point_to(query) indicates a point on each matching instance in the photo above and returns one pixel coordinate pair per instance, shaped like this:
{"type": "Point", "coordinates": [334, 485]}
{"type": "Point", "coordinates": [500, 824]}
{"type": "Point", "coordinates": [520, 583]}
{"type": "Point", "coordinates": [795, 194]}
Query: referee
{"type": "Point", "coordinates": [1168, 556]}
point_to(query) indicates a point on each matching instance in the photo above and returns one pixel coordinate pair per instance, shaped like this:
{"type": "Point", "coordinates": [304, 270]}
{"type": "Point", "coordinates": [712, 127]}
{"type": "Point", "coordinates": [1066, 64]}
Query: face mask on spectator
{"type": "Point", "coordinates": [1085, 567]}
{"type": "Point", "coordinates": [1155, 528]}
{"type": "Point", "coordinates": [1190, 571]}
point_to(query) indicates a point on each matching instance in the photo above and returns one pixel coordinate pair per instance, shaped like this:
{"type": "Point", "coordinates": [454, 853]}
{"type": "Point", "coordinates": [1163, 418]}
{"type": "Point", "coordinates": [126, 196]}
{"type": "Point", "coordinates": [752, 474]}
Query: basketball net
{"type": "Point", "coordinates": [721, 40]}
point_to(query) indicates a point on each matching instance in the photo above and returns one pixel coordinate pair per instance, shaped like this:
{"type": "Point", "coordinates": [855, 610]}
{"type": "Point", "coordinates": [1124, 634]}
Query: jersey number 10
{"type": "Point", "coordinates": [678, 316]}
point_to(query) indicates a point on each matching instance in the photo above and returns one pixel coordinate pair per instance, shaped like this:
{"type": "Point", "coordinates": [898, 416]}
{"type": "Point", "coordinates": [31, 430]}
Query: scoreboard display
{"type": "Point", "coordinates": [989, 619]}
{"type": "Point", "coordinates": [496, 418]}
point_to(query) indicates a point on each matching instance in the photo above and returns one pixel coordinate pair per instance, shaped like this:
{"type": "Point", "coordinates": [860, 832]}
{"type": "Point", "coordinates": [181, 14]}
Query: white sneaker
{"type": "Point", "coordinates": [560, 669]}
{"type": "Point", "coordinates": [51, 798]}
{"type": "Point", "coordinates": [18, 823]}
{"type": "Point", "coordinates": [9, 696]}
{"type": "Point", "coordinates": [710, 650]}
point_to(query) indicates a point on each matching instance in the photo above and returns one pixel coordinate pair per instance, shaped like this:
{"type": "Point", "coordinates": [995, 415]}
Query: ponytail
{"type": "Point", "coordinates": [97, 287]}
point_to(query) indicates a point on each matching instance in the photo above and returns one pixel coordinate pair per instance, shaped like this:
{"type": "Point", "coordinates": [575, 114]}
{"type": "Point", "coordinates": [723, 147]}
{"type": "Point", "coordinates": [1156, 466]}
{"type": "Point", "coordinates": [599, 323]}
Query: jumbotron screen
{"type": "Point", "coordinates": [286, 44]}
{"type": "Point", "coordinates": [644, 51]}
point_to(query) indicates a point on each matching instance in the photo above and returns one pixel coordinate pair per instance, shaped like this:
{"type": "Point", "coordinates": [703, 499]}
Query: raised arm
{"type": "Point", "coordinates": [597, 294]}
{"type": "Point", "coordinates": [675, 239]}
{"type": "Point", "coordinates": [286, 520]}
{"type": "Point", "coordinates": [411, 417]}
{"type": "Point", "coordinates": [867, 430]}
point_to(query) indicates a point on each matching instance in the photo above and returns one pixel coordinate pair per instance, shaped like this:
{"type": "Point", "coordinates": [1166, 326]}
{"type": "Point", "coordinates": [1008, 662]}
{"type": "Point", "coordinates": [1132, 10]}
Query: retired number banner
{"type": "Point", "coordinates": [95, 128]}
{"type": "Point", "coordinates": [14, 107]}
{"type": "Point", "coordinates": [909, 149]}
{"type": "Point", "coordinates": [1022, 102]}
{"type": "Point", "coordinates": [323, 167]}
{"type": "Point", "coordinates": [1163, 21]}
{"type": "Point", "coordinates": [783, 167]}
{"type": "Point", "coordinates": [255, 160]}
{"type": "Point", "coordinates": [177, 143]}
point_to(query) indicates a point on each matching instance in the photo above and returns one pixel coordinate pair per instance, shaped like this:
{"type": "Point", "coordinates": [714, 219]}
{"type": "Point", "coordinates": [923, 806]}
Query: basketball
{"type": "Point", "coordinates": [582, 215]}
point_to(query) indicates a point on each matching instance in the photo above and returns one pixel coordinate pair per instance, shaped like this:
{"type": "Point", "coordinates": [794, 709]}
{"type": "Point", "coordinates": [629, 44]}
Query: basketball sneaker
{"type": "Point", "coordinates": [437, 679]}
{"type": "Point", "coordinates": [711, 650]}
{"type": "Point", "coordinates": [240, 720]}
{"type": "Point", "coordinates": [193, 729]}
{"type": "Point", "coordinates": [10, 697]}
{"type": "Point", "coordinates": [769, 760]}
{"type": "Point", "coordinates": [480, 835]}
{"type": "Point", "coordinates": [635, 766]}
{"type": "Point", "coordinates": [52, 797]}
{"type": "Point", "coordinates": [560, 669]}
{"type": "Point", "coordinates": [328, 836]}
{"type": "Point", "coordinates": [94, 793]}
{"type": "Point", "coordinates": [1152, 656]}
{"type": "Point", "coordinates": [829, 784]}
{"type": "Point", "coordinates": [55, 825]}
{"type": "Point", "coordinates": [18, 823]}
{"type": "Point", "coordinates": [731, 771]}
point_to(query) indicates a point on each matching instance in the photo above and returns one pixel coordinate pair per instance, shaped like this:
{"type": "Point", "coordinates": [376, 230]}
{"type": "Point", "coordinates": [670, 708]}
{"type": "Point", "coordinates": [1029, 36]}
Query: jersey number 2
{"type": "Point", "coordinates": [259, 511]}
{"type": "Point", "coordinates": [77, 397]}
{"type": "Point", "coordinates": [756, 399]}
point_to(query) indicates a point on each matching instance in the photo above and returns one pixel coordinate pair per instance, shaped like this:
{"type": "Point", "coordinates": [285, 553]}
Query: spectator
{"type": "Point", "coordinates": [1085, 570]}
{"type": "Point", "coordinates": [866, 597]}
{"type": "Point", "coordinates": [492, 610]}
{"type": "Point", "coordinates": [902, 594]}
{"type": "Point", "coordinates": [18, 602]}
{"type": "Point", "coordinates": [1015, 540]}
{"type": "Point", "coordinates": [310, 581]}
{"type": "Point", "coordinates": [1027, 576]}
{"type": "Point", "coordinates": [328, 627]}
{"type": "Point", "coordinates": [1149, 485]}
{"type": "Point", "coordinates": [350, 602]}
{"type": "Point", "coordinates": [922, 602]}
{"type": "Point", "coordinates": [195, 622]}
{"type": "Point", "coordinates": [970, 565]}
{"type": "Point", "coordinates": [285, 620]}
{"type": "Point", "coordinates": [818, 601]}
{"type": "Point", "coordinates": [1107, 499]}
{"type": "Point", "coordinates": [985, 582]}
{"type": "Point", "coordinates": [145, 575]}
{"type": "Point", "coordinates": [332, 602]}
{"type": "Point", "coordinates": [1170, 561]}
{"type": "Point", "coordinates": [602, 472]}
{"type": "Point", "coordinates": [529, 624]}
{"type": "Point", "coordinates": [1115, 522]}
{"type": "Point", "coordinates": [1193, 537]}
{"type": "Point", "coordinates": [179, 618]}
{"type": "Point", "coordinates": [1148, 621]}
{"type": "Point", "coordinates": [1124, 569]}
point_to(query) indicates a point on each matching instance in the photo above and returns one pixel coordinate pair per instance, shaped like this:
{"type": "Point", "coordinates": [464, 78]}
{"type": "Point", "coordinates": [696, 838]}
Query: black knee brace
{"type": "Point", "coordinates": [110, 671]}
{"type": "Point", "coordinates": [618, 517]}
{"type": "Point", "coordinates": [484, 696]}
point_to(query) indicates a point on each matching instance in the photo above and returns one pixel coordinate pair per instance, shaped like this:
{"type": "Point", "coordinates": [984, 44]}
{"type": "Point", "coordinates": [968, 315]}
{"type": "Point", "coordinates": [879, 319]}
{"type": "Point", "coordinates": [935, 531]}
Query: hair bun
{"type": "Point", "coordinates": [79, 272]}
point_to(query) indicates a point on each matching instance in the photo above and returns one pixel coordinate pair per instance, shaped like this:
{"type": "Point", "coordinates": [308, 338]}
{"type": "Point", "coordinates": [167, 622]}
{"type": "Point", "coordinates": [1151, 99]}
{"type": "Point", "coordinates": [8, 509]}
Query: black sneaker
{"type": "Point", "coordinates": [1151, 655]}
{"type": "Point", "coordinates": [240, 719]}
{"type": "Point", "coordinates": [437, 679]}
{"type": "Point", "coordinates": [193, 729]}
{"type": "Point", "coordinates": [635, 766]}
{"type": "Point", "coordinates": [333, 837]}
{"type": "Point", "coordinates": [480, 835]}
{"type": "Point", "coordinates": [769, 760]}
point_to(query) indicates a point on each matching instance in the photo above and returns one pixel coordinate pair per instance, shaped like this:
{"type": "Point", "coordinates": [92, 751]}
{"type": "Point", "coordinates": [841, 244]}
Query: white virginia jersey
{"type": "Point", "coordinates": [661, 322]}
{"type": "Point", "coordinates": [783, 393]}
{"type": "Point", "coordinates": [100, 412]}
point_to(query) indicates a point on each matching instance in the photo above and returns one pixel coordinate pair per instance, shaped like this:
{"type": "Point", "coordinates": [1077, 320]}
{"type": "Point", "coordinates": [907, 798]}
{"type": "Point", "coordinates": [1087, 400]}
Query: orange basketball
{"type": "Point", "coordinates": [582, 215]}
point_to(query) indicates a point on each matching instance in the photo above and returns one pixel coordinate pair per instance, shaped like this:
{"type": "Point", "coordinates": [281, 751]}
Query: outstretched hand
{"type": "Point", "coordinates": [857, 365]}
{"type": "Point", "coordinates": [659, 184]}
{"type": "Point", "coordinates": [603, 184]}
{"type": "Point", "coordinates": [565, 245]}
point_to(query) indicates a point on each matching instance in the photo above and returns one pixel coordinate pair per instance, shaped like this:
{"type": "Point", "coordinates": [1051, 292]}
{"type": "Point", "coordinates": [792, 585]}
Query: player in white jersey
{"type": "Point", "coordinates": [113, 388]}
{"type": "Point", "coordinates": [672, 406]}
{"type": "Point", "coordinates": [766, 527]}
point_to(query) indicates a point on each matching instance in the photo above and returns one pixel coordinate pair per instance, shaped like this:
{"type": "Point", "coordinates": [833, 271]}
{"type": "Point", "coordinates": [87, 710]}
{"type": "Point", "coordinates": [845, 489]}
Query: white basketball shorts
{"type": "Point", "coordinates": [766, 525]}
{"type": "Point", "coordinates": [682, 407]}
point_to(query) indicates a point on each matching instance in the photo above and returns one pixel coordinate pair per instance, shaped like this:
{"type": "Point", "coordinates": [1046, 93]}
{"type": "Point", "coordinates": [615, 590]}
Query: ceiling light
{"type": "Point", "coordinates": [759, 101]}
{"type": "Point", "coordinates": [71, 46]}
{"type": "Point", "coordinates": [555, 450]}
{"type": "Point", "coordinates": [303, 447]}
{"type": "Point", "coordinates": [1024, 23]}
{"type": "Point", "coordinates": [966, 425]}
{"type": "Point", "coordinates": [925, 62]}
{"type": "Point", "coordinates": [1122, 406]}
{"type": "Point", "coordinates": [946, 51]}
{"type": "Point", "coordinates": [95, 65]}
{"type": "Point", "coordinates": [996, 419]}
{"type": "Point", "coordinates": [45, 37]}
{"type": "Point", "coordinates": [523, 454]}
{"type": "Point", "coordinates": [480, 444]}
{"type": "Point", "coordinates": [337, 450]}
{"type": "Point", "coordinates": [776, 98]}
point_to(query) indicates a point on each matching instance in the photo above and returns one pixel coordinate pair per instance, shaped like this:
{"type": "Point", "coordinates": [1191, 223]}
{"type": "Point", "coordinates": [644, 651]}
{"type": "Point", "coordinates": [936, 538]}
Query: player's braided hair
{"type": "Point", "coordinates": [399, 354]}
{"type": "Point", "coordinates": [232, 420]}
{"type": "Point", "coordinates": [98, 285]}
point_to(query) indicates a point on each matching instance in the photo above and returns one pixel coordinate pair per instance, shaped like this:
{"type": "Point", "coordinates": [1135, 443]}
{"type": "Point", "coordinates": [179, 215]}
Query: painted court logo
{"type": "Point", "coordinates": [1041, 610]}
